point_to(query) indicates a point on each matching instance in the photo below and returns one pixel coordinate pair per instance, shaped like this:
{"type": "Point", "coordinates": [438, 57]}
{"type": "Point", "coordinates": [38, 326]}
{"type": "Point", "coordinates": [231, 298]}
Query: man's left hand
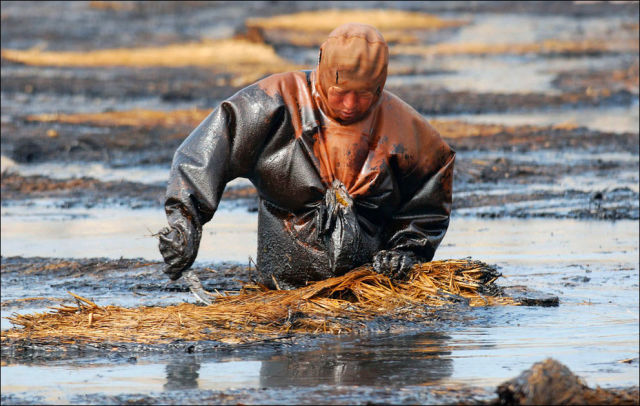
{"type": "Point", "coordinates": [394, 264]}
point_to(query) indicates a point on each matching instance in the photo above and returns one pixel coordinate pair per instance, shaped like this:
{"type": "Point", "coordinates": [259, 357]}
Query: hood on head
{"type": "Point", "coordinates": [355, 56]}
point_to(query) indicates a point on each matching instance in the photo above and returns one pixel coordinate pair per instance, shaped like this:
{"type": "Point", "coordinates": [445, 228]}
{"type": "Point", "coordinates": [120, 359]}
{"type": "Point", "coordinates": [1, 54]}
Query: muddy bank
{"type": "Point", "coordinates": [89, 192]}
{"type": "Point", "coordinates": [442, 102]}
{"type": "Point", "coordinates": [170, 85]}
{"type": "Point", "coordinates": [102, 275]}
{"type": "Point", "coordinates": [536, 138]}
{"type": "Point", "coordinates": [508, 169]}
{"type": "Point", "coordinates": [614, 204]}
{"type": "Point", "coordinates": [523, 182]}
{"type": "Point", "coordinates": [84, 191]}
{"type": "Point", "coordinates": [205, 88]}
{"type": "Point", "coordinates": [600, 82]}
{"type": "Point", "coordinates": [116, 145]}
{"type": "Point", "coordinates": [126, 145]}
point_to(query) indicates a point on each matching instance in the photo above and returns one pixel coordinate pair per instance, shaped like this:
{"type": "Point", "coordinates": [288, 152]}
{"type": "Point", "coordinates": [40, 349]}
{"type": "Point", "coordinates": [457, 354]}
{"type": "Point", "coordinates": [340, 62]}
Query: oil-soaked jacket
{"type": "Point", "coordinates": [330, 195]}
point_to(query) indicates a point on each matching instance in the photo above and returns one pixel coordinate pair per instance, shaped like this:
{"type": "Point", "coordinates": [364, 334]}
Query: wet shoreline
{"type": "Point", "coordinates": [195, 362]}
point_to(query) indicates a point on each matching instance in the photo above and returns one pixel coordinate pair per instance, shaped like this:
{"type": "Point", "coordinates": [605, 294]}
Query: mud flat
{"type": "Point", "coordinates": [533, 191]}
{"type": "Point", "coordinates": [90, 192]}
{"type": "Point", "coordinates": [540, 100]}
{"type": "Point", "coordinates": [584, 173]}
{"type": "Point", "coordinates": [128, 139]}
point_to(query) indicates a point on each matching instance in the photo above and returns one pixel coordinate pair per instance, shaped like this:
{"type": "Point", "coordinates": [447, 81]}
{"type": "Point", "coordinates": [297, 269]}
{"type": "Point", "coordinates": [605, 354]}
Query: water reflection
{"type": "Point", "coordinates": [371, 361]}
{"type": "Point", "coordinates": [182, 373]}
{"type": "Point", "coordinates": [416, 359]}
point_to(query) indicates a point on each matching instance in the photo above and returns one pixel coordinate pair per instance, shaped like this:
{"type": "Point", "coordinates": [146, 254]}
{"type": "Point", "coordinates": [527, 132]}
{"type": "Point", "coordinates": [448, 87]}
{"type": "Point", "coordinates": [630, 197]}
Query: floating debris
{"type": "Point", "coordinates": [337, 305]}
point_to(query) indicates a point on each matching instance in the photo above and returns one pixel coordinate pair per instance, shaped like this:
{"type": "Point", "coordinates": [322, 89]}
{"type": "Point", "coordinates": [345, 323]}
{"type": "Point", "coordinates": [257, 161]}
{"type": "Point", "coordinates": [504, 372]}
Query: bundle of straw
{"type": "Point", "coordinates": [337, 305]}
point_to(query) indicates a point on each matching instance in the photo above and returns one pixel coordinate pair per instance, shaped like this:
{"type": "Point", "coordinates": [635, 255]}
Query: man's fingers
{"type": "Point", "coordinates": [378, 260]}
{"type": "Point", "coordinates": [381, 262]}
{"type": "Point", "coordinates": [394, 263]}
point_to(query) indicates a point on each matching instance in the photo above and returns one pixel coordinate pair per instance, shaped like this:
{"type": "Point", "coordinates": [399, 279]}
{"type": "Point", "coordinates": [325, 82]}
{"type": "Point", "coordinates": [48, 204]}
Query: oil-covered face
{"type": "Point", "coordinates": [351, 73]}
{"type": "Point", "coordinates": [349, 105]}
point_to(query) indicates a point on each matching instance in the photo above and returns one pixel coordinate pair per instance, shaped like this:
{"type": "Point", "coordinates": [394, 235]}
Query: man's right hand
{"type": "Point", "coordinates": [172, 245]}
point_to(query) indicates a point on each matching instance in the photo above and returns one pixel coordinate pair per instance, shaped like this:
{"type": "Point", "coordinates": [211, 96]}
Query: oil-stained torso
{"type": "Point", "coordinates": [393, 166]}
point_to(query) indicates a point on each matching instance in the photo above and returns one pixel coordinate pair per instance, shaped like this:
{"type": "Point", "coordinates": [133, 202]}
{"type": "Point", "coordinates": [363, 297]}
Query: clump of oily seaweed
{"type": "Point", "coordinates": [337, 305]}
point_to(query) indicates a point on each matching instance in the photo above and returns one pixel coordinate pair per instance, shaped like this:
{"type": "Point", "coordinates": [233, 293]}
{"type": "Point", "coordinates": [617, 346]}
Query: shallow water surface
{"type": "Point", "coordinates": [59, 382]}
{"type": "Point", "coordinates": [617, 119]}
{"type": "Point", "coordinates": [113, 232]}
{"type": "Point", "coordinates": [492, 28]}
{"type": "Point", "coordinates": [507, 74]}
{"type": "Point", "coordinates": [591, 265]}
{"type": "Point", "coordinates": [148, 174]}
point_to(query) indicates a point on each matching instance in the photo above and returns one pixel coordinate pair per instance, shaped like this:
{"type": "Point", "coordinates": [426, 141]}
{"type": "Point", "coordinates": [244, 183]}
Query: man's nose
{"type": "Point", "coordinates": [350, 100]}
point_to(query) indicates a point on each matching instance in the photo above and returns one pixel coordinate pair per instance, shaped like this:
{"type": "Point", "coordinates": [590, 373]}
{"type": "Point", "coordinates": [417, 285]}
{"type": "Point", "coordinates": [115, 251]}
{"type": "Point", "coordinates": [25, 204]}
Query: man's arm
{"type": "Point", "coordinates": [418, 227]}
{"type": "Point", "coordinates": [224, 146]}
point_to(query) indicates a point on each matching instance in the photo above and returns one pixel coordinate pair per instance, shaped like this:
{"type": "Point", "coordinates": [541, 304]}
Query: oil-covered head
{"type": "Point", "coordinates": [352, 70]}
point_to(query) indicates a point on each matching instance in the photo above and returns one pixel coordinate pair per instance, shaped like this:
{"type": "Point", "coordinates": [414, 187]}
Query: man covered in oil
{"type": "Point", "coordinates": [347, 173]}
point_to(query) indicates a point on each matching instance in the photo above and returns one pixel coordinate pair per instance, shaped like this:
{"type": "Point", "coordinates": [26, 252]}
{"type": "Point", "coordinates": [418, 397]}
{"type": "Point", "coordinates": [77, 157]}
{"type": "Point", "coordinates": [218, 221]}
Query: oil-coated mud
{"type": "Point", "coordinates": [90, 192]}
{"type": "Point", "coordinates": [550, 382]}
{"type": "Point", "coordinates": [125, 275]}
{"type": "Point", "coordinates": [600, 82]}
{"type": "Point", "coordinates": [445, 102]}
{"type": "Point", "coordinates": [298, 395]}
{"type": "Point", "coordinates": [524, 139]}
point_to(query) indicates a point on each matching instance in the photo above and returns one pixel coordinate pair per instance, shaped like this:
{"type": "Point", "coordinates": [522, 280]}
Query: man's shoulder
{"type": "Point", "coordinates": [274, 90]}
{"type": "Point", "coordinates": [409, 131]}
{"type": "Point", "coordinates": [283, 82]}
{"type": "Point", "coordinates": [397, 111]}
